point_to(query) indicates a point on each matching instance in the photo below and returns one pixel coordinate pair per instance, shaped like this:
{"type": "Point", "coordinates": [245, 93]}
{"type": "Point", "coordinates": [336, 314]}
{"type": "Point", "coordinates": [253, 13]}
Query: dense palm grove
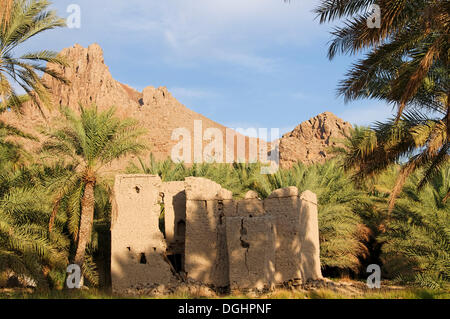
{"type": "Point", "coordinates": [412, 242]}
{"type": "Point", "coordinates": [406, 64]}
{"type": "Point", "coordinates": [384, 199]}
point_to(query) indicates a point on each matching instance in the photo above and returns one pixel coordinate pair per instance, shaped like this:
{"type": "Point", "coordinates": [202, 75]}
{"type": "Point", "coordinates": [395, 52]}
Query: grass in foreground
{"type": "Point", "coordinates": [407, 293]}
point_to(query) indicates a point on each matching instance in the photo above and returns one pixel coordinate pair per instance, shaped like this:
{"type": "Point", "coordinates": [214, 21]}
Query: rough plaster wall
{"type": "Point", "coordinates": [309, 230]}
{"type": "Point", "coordinates": [230, 208]}
{"type": "Point", "coordinates": [174, 213]}
{"type": "Point", "coordinates": [199, 188]}
{"type": "Point", "coordinates": [252, 206]}
{"type": "Point", "coordinates": [205, 247]}
{"type": "Point", "coordinates": [251, 252]}
{"type": "Point", "coordinates": [281, 232]}
{"type": "Point", "coordinates": [135, 233]}
{"type": "Point", "coordinates": [284, 206]}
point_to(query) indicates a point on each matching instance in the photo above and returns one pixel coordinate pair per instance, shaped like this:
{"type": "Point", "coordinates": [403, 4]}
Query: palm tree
{"type": "Point", "coordinates": [416, 247]}
{"type": "Point", "coordinates": [90, 141]}
{"type": "Point", "coordinates": [412, 40]}
{"type": "Point", "coordinates": [20, 21]}
{"type": "Point", "coordinates": [167, 170]}
{"type": "Point", "coordinates": [406, 65]}
{"type": "Point", "coordinates": [11, 152]}
{"type": "Point", "coordinates": [417, 136]}
{"type": "Point", "coordinates": [27, 250]}
{"type": "Point", "coordinates": [237, 178]}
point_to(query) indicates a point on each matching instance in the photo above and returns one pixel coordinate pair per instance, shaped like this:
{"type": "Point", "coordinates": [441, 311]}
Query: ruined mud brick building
{"type": "Point", "coordinates": [209, 237]}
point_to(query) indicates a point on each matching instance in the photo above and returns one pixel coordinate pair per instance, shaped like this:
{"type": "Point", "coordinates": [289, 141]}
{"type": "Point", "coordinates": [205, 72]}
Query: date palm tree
{"type": "Point", "coordinates": [90, 141]}
{"type": "Point", "coordinates": [20, 21]}
{"type": "Point", "coordinates": [11, 152]}
{"type": "Point", "coordinates": [405, 64]}
{"type": "Point", "coordinates": [27, 250]}
{"type": "Point", "coordinates": [371, 151]}
{"type": "Point", "coordinates": [416, 247]}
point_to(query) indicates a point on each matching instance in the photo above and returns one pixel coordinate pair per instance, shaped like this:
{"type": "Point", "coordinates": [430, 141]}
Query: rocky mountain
{"type": "Point", "coordinates": [91, 82]}
{"type": "Point", "coordinates": [310, 141]}
{"type": "Point", "coordinates": [158, 112]}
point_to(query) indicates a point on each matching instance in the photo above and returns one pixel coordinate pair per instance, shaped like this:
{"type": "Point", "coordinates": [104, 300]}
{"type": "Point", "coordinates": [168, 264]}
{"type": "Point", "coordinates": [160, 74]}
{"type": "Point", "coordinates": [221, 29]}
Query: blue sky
{"type": "Point", "coordinates": [242, 63]}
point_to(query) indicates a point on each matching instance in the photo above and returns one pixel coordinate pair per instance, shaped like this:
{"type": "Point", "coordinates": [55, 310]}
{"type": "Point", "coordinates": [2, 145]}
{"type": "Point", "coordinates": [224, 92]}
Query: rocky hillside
{"type": "Point", "coordinates": [157, 111]}
{"type": "Point", "coordinates": [92, 83]}
{"type": "Point", "coordinates": [310, 141]}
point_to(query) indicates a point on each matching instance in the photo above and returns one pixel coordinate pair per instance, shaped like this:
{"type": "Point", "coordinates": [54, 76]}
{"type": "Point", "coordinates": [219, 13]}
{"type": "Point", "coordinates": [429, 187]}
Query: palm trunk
{"type": "Point", "coordinates": [448, 116]}
{"type": "Point", "coordinates": [447, 102]}
{"type": "Point", "coordinates": [86, 221]}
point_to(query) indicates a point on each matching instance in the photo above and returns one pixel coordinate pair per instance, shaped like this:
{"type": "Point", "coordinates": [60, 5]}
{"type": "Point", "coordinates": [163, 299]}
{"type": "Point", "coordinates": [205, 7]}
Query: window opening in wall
{"type": "Point", "coordinates": [143, 259]}
{"type": "Point", "coordinates": [162, 222]}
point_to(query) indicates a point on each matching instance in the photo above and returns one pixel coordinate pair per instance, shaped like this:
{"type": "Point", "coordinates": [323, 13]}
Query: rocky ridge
{"type": "Point", "coordinates": [157, 111]}
{"type": "Point", "coordinates": [310, 141]}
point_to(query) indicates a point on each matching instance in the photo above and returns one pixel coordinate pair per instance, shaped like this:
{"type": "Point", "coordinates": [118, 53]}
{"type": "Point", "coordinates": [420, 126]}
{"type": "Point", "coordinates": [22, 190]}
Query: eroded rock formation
{"type": "Point", "coordinates": [310, 141]}
{"type": "Point", "coordinates": [91, 82]}
{"type": "Point", "coordinates": [158, 112]}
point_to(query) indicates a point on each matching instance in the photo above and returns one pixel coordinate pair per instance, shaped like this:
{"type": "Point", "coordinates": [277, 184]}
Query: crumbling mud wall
{"type": "Point", "coordinates": [173, 197]}
{"type": "Point", "coordinates": [137, 244]}
{"type": "Point", "coordinates": [251, 252]}
{"type": "Point", "coordinates": [206, 257]}
{"type": "Point", "coordinates": [284, 206]}
{"type": "Point", "coordinates": [309, 236]}
{"type": "Point", "coordinates": [211, 238]}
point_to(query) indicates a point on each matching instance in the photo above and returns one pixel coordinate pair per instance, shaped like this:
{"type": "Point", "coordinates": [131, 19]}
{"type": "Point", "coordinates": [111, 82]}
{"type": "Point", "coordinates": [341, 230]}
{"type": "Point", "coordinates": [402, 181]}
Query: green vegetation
{"type": "Point", "coordinates": [26, 247]}
{"type": "Point", "coordinates": [21, 20]}
{"type": "Point", "coordinates": [42, 202]}
{"type": "Point", "coordinates": [42, 206]}
{"type": "Point", "coordinates": [90, 141]}
{"type": "Point", "coordinates": [356, 227]}
{"type": "Point", "coordinates": [55, 207]}
{"type": "Point", "coordinates": [405, 64]}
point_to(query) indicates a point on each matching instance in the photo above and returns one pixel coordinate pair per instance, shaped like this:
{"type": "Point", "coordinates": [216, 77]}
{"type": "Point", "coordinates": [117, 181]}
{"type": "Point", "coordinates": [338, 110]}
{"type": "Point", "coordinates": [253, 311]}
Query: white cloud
{"type": "Point", "coordinates": [190, 32]}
